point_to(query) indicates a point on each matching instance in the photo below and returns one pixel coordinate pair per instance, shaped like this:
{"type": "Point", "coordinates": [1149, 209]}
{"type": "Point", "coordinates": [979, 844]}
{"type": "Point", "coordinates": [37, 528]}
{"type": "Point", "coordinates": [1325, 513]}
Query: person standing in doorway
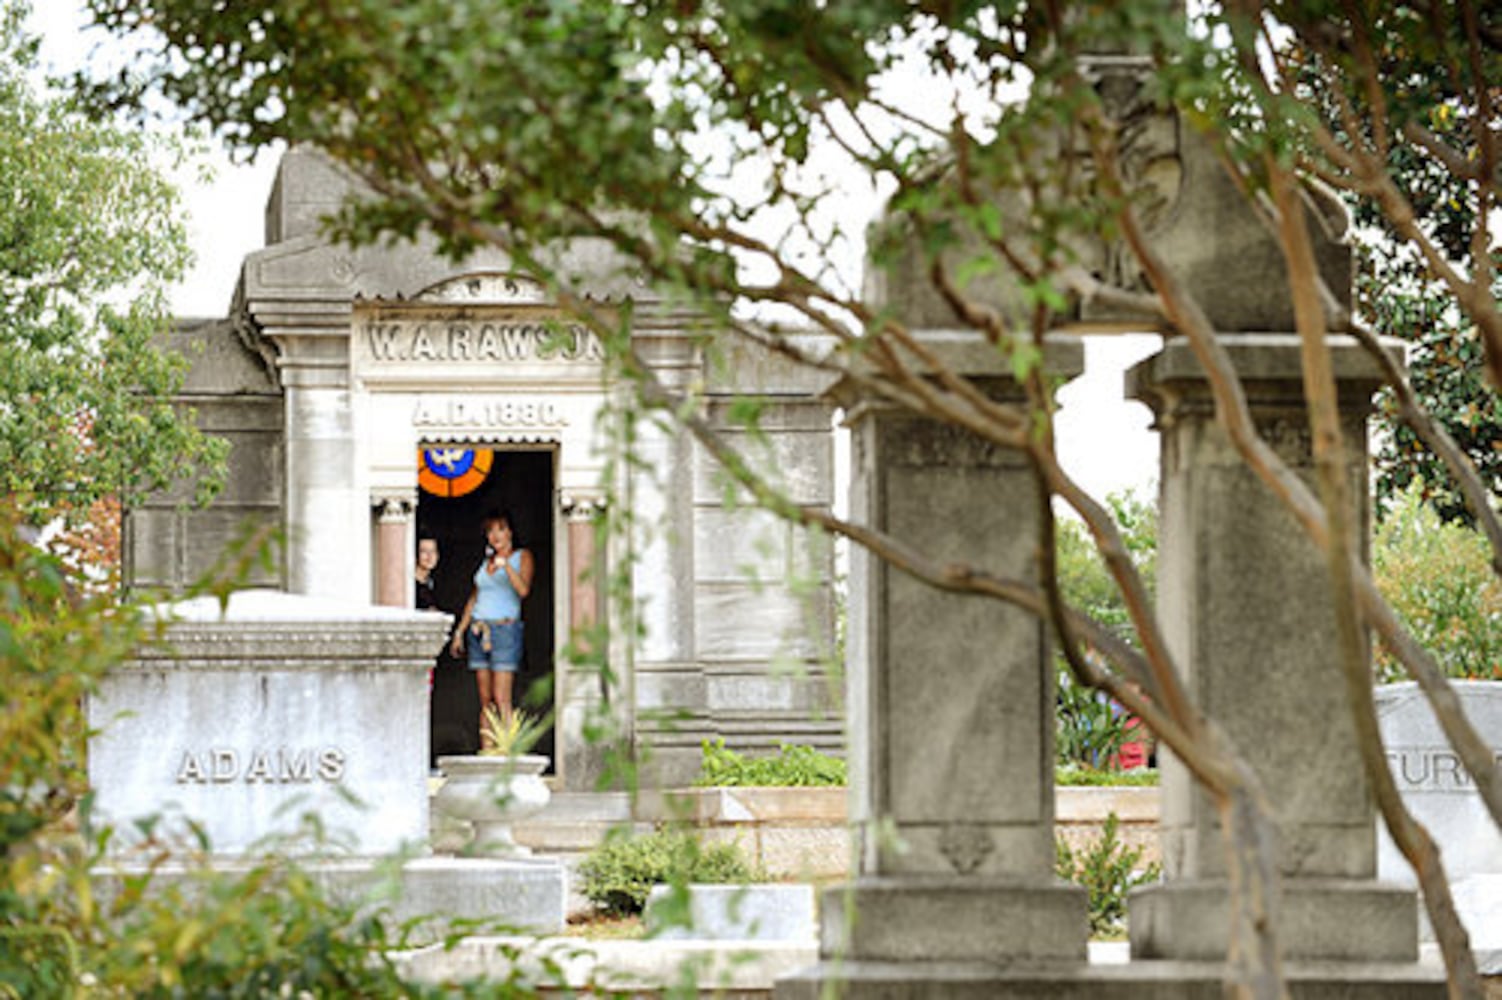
{"type": "Point", "coordinates": [426, 595]}
{"type": "Point", "coordinates": [491, 624]}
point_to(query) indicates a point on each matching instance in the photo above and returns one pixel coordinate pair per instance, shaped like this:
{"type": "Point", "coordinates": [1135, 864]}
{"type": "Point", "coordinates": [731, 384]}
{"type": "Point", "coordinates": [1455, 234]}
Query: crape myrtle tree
{"type": "Point", "coordinates": [725, 150]}
{"type": "Point", "coordinates": [91, 238]}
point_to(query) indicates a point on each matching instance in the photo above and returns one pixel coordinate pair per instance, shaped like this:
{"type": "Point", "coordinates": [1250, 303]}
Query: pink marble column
{"type": "Point", "coordinates": [393, 578]}
{"type": "Point", "coordinates": [583, 585]}
{"type": "Point", "coordinates": [579, 694]}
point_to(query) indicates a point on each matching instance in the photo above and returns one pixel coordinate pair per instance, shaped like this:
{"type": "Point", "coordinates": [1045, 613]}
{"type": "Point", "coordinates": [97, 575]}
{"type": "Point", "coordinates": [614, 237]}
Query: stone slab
{"type": "Point", "coordinates": [1440, 794]}
{"type": "Point", "coordinates": [524, 895]}
{"type": "Point", "coordinates": [749, 622]}
{"type": "Point", "coordinates": [1321, 919]}
{"type": "Point", "coordinates": [1132, 981]}
{"type": "Point", "coordinates": [953, 918]}
{"type": "Point", "coordinates": [746, 805]}
{"type": "Point", "coordinates": [1257, 357]}
{"type": "Point", "coordinates": [1478, 898]}
{"type": "Point", "coordinates": [772, 912]}
{"type": "Point", "coordinates": [1090, 804]}
{"type": "Point", "coordinates": [802, 852]}
{"type": "Point", "coordinates": [637, 968]}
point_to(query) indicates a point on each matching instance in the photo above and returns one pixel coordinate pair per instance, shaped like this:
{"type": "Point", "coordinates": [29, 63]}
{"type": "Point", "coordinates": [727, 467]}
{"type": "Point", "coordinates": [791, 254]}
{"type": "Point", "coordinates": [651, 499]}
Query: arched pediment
{"type": "Point", "coordinates": [484, 288]}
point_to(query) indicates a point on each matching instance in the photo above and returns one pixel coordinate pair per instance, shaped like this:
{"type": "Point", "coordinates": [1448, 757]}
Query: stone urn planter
{"type": "Point", "coordinates": [489, 793]}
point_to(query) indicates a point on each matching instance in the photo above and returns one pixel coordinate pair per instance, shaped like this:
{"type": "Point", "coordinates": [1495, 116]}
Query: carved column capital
{"type": "Point", "coordinates": [582, 506]}
{"type": "Point", "coordinates": [394, 508]}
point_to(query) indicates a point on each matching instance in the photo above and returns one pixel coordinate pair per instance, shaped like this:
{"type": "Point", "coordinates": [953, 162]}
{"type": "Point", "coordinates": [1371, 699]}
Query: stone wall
{"type": "Point", "coordinates": [745, 653]}
{"type": "Point", "coordinates": [169, 544]}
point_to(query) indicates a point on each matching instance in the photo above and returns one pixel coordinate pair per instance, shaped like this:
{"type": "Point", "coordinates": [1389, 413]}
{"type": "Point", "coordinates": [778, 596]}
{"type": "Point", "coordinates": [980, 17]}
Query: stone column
{"type": "Point", "coordinates": [579, 694]}
{"type": "Point", "coordinates": [393, 565]}
{"type": "Point", "coordinates": [1245, 601]}
{"type": "Point", "coordinates": [951, 705]}
{"type": "Point", "coordinates": [583, 574]}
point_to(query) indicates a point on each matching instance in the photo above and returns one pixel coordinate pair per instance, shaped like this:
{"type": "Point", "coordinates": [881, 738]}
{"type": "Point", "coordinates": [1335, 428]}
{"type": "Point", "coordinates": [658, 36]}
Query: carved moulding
{"type": "Point", "coordinates": [966, 846]}
{"type": "Point", "coordinates": [491, 288]}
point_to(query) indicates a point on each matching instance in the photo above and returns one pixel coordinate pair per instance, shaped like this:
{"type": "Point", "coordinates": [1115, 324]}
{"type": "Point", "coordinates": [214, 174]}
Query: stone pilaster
{"type": "Point", "coordinates": [666, 687]}
{"type": "Point", "coordinates": [327, 527]}
{"type": "Point", "coordinates": [1245, 601]}
{"type": "Point", "coordinates": [950, 702]}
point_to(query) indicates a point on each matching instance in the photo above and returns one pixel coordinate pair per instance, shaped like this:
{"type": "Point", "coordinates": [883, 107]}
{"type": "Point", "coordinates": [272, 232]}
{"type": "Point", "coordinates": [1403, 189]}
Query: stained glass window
{"type": "Point", "coordinates": [452, 472]}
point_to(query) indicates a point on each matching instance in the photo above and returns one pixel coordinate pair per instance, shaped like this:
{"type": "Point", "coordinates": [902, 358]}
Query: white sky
{"type": "Point", "coordinates": [1105, 442]}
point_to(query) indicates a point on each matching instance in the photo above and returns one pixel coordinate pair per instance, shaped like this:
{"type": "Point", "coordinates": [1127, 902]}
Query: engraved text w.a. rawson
{"type": "Point", "coordinates": [462, 340]}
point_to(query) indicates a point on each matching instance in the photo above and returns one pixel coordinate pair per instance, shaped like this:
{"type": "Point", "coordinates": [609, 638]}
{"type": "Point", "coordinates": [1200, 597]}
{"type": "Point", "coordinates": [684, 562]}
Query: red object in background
{"type": "Point", "coordinates": [1133, 753]}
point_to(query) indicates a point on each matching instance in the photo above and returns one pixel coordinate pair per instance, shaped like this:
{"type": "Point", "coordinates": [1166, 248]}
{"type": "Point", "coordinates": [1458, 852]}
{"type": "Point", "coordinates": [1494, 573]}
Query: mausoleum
{"type": "Point", "coordinates": [375, 395]}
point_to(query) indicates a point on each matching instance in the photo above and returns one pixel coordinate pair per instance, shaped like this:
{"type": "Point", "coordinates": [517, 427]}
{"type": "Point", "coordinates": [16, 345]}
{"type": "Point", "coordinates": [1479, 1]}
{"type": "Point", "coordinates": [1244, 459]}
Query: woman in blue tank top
{"type": "Point", "coordinates": [491, 624]}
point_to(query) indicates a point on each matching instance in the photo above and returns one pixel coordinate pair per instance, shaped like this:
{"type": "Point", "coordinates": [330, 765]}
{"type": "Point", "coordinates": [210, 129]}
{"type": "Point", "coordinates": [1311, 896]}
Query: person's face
{"type": "Point", "coordinates": [498, 534]}
{"type": "Point", "coordinates": [427, 553]}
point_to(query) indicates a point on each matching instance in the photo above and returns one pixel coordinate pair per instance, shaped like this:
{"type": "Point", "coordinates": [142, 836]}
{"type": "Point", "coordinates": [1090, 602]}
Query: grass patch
{"type": "Point", "coordinates": [1072, 775]}
{"type": "Point", "coordinates": [793, 767]}
{"type": "Point", "coordinates": [597, 926]}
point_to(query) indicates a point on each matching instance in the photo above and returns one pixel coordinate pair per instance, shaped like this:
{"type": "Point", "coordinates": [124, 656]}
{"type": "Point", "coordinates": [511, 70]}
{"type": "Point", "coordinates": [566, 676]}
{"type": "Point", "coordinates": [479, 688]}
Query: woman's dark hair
{"type": "Point", "coordinates": [503, 517]}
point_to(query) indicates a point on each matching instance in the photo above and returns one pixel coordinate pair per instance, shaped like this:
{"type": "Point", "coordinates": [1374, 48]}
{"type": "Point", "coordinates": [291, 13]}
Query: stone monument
{"type": "Point", "coordinates": [1441, 795]}
{"type": "Point", "coordinates": [950, 701]}
{"type": "Point", "coordinates": [248, 720]}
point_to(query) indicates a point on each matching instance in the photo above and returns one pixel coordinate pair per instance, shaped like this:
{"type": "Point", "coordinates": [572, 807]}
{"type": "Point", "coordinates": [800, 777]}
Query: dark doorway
{"type": "Point", "coordinates": [520, 484]}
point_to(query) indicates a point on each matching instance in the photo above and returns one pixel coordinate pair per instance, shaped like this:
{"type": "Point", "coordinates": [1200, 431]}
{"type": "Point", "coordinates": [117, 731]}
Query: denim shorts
{"type": "Point", "coordinates": [505, 651]}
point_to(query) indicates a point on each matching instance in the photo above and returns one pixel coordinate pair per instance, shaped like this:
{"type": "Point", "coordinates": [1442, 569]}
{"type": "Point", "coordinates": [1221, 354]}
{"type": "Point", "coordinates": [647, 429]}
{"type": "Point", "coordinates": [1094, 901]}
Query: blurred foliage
{"type": "Point", "coordinates": [91, 239]}
{"type": "Point", "coordinates": [1077, 776]}
{"type": "Point", "coordinates": [792, 766]}
{"type": "Point", "coordinates": [1437, 575]}
{"type": "Point", "coordinates": [1401, 296]}
{"type": "Point", "coordinates": [1446, 367]}
{"type": "Point", "coordinates": [77, 920]}
{"type": "Point", "coordinates": [62, 930]}
{"type": "Point", "coordinates": [54, 643]}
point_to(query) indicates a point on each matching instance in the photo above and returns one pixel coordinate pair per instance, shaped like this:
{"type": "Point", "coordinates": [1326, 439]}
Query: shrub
{"type": "Point", "coordinates": [1108, 870]}
{"type": "Point", "coordinates": [793, 767]}
{"type": "Point", "coordinates": [617, 876]}
{"type": "Point", "coordinates": [1438, 578]}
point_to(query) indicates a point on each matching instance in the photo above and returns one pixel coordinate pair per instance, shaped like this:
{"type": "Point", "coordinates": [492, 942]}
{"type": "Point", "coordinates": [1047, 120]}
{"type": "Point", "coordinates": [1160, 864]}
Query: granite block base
{"type": "Point", "coordinates": [1334, 920]}
{"type": "Point", "coordinates": [954, 918]}
{"type": "Point", "coordinates": [761, 912]}
{"type": "Point", "coordinates": [1134, 981]}
{"type": "Point", "coordinates": [525, 895]}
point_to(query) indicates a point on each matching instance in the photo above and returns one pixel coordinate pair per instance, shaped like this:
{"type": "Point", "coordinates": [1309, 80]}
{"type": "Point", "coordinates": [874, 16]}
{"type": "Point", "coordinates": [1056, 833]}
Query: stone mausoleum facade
{"type": "Point", "coordinates": [374, 395]}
